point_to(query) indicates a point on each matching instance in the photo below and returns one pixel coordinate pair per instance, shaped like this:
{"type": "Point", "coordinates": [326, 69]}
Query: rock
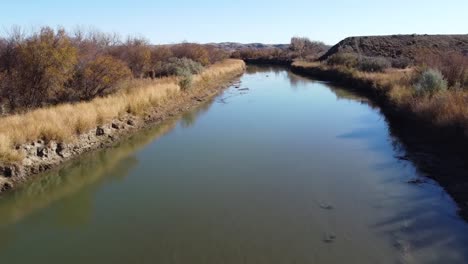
{"type": "Point", "coordinates": [130, 122]}
{"type": "Point", "coordinates": [326, 206]}
{"type": "Point", "coordinates": [52, 146]}
{"type": "Point", "coordinates": [10, 171]}
{"type": "Point", "coordinates": [5, 185]}
{"type": "Point", "coordinates": [402, 157]}
{"type": "Point", "coordinates": [329, 238]}
{"type": "Point", "coordinates": [42, 152]}
{"type": "Point", "coordinates": [60, 149]}
{"type": "Point", "coordinates": [6, 171]}
{"type": "Point", "coordinates": [115, 126]}
{"type": "Point", "coordinates": [100, 131]}
{"type": "Point", "coordinates": [416, 181]}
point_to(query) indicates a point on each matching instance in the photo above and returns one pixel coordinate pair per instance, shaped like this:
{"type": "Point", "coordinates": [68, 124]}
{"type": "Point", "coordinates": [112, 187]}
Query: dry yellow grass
{"type": "Point", "coordinates": [64, 122]}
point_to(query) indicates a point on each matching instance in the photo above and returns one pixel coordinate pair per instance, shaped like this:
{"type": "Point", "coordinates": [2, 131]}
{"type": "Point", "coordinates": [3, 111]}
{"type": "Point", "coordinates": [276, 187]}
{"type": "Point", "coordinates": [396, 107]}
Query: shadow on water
{"type": "Point", "coordinates": [414, 232]}
{"type": "Point", "coordinates": [83, 177]}
{"type": "Point", "coordinates": [434, 158]}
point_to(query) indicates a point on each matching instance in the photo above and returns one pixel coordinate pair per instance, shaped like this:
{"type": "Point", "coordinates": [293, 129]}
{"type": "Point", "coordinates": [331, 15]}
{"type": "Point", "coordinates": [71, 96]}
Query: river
{"type": "Point", "coordinates": [282, 169]}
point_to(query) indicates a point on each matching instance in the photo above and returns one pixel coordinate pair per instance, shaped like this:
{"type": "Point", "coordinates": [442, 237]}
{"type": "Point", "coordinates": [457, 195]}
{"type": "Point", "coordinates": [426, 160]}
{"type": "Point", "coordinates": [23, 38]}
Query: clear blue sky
{"type": "Point", "coordinates": [270, 21]}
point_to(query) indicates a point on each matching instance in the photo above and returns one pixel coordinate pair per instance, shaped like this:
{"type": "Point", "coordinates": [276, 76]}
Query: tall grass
{"type": "Point", "coordinates": [64, 122]}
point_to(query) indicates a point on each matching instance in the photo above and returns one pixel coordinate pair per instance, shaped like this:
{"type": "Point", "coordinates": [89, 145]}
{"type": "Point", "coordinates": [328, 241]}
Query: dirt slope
{"type": "Point", "coordinates": [400, 46]}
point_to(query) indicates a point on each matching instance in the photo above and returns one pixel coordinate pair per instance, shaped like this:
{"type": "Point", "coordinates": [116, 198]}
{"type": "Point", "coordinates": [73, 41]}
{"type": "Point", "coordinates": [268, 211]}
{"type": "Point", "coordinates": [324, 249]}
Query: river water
{"type": "Point", "coordinates": [291, 170]}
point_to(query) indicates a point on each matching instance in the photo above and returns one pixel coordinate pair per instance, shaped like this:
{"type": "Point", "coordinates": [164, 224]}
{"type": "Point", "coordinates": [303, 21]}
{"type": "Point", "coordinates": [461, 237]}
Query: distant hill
{"type": "Point", "coordinates": [399, 46]}
{"type": "Point", "coordinates": [233, 46]}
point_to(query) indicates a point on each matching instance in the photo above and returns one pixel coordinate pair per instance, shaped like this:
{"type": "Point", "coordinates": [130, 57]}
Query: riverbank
{"type": "Point", "coordinates": [42, 139]}
{"type": "Point", "coordinates": [436, 138]}
{"type": "Point", "coordinates": [269, 61]}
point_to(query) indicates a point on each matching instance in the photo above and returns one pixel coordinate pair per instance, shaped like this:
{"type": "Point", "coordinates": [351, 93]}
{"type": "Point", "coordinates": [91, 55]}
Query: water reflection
{"type": "Point", "coordinates": [268, 69]}
{"type": "Point", "coordinates": [188, 119]}
{"type": "Point", "coordinates": [83, 177]}
{"type": "Point", "coordinates": [290, 171]}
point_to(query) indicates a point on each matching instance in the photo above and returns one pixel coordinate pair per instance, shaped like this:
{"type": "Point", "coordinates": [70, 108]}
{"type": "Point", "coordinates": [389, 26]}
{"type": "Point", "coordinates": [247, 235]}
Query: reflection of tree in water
{"type": "Point", "coordinates": [76, 210]}
{"type": "Point", "coordinates": [343, 93]}
{"type": "Point", "coordinates": [253, 69]}
{"type": "Point", "coordinates": [296, 80]}
{"type": "Point", "coordinates": [76, 181]}
{"type": "Point", "coordinates": [188, 119]}
{"type": "Point", "coordinates": [7, 235]}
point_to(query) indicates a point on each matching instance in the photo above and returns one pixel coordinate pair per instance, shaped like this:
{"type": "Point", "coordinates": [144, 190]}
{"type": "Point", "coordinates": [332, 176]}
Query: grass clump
{"type": "Point", "coordinates": [343, 59]}
{"type": "Point", "coordinates": [185, 80]}
{"type": "Point", "coordinates": [430, 81]}
{"type": "Point", "coordinates": [401, 63]}
{"type": "Point", "coordinates": [180, 67]}
{"type": "Point", "coordinates": [7, 152]}
{"type": "Point", "coordinates": [373, 64]}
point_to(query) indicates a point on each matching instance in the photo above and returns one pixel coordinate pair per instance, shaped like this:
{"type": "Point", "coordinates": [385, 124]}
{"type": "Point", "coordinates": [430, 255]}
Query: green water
{"type": "Point", "coordinates": [290, 171]}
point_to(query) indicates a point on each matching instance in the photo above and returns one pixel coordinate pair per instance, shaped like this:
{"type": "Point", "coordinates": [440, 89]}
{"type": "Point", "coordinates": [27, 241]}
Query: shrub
{"type": "Point", "coordinates": [258, 53]}
{"type": "Point", "coordinates": [401, 63]}
{"type": "Point", "coordinates": [179, 67]}
{"type": "Point", "coordinates": [44, 64]}
{"type": "Point", "coordinates": [453, 66]}
{"type": "Point", "coordinates": [101, 75]}
{"type": "Point", "coordinates": [371, 64]}
{"type": "Point", "coordinates": [216, 54]}
{"type": "Point", "coordinates": [136, 53]}
{"type": "Point", "coordinates": [186, 79]}
{"type": "Point", "coordinates": [304, 47]}
{"type": "Point", "coordinates": [161, 54]}
{"type": "Point", "coordinates": [343, 59]}
{"type": "Point", "coordinates": [195, 52]}
{"type": "Point", "coordinates": [430, 81]}
{"type": "Point", "coordinates": [50, 66]}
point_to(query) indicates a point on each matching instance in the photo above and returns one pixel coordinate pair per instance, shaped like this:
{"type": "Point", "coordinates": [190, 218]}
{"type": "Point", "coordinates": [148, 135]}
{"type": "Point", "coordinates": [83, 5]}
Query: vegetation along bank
{"type": "Point", "coordinates": [64, 95]}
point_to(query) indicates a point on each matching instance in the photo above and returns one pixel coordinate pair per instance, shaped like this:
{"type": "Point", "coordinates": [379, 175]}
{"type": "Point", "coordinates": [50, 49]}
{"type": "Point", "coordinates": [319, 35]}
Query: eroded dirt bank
{"type": "Point", "coordinates": [41, 156]}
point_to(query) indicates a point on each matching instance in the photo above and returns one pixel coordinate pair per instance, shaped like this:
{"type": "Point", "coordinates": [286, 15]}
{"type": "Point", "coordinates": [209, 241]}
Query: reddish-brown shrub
{"type": "Point", "coordinates": [452, 65]}
{"type": "Point", "coordinates": [49, 67]}
{"type": "Point", "coordinates": [195, 52]}
{"type": "Point", "coordinates": [43, 64]}
{"type": "Point", "coordinates": [136, 53]}
{"type": "Point", "coordinates": [100, 76]}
